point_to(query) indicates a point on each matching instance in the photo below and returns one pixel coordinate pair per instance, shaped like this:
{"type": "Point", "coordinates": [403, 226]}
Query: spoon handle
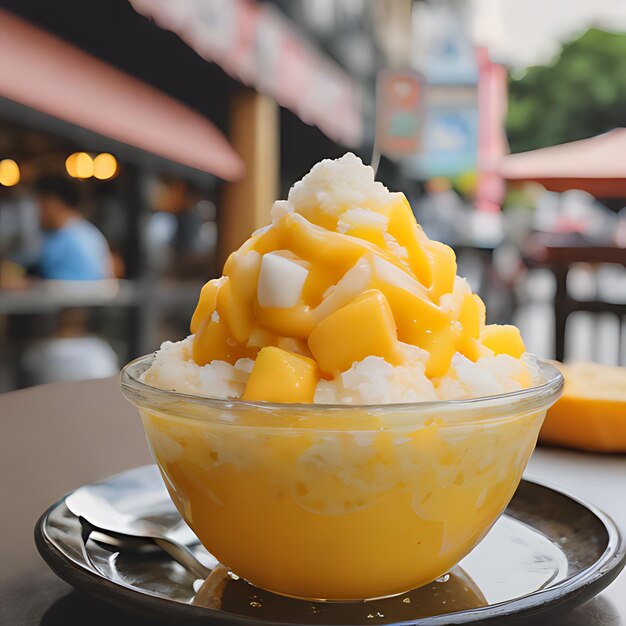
{"type": "Point", "coordinates": [184, 556]}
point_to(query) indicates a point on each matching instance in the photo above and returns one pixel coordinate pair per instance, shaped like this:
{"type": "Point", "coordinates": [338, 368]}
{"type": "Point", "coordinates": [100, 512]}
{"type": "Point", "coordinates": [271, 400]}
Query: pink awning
{"type": "Point", "coordinates": [45, 73]}
{"type": "Point", "coordinates": [256, 44]}
{"type": "Point", "coordinates": [596, 165]}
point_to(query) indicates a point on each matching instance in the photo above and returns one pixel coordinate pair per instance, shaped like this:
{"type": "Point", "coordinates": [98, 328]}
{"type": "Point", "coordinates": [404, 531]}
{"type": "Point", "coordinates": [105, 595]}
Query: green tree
{"type": "Point", "coordinates": [580, 94]}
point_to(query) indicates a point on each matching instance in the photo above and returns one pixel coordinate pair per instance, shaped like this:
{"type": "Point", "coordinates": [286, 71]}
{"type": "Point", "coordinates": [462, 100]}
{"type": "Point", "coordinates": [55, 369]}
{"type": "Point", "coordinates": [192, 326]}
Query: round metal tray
{"type": "Point", "coordinates": [549, 552]}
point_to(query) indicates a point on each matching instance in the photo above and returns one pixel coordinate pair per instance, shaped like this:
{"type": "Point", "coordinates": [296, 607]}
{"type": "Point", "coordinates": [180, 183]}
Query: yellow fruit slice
{"type": "Point", "coordinates": [362, 328]}
{"type": "Point", "coordinates": [206, 303]}
{"type": "Point", "coordinates": [503, 340]}
{"type": "Point", "coordinates": [591, 413]}
{"type": "Point", "coordinates": [281, 376]}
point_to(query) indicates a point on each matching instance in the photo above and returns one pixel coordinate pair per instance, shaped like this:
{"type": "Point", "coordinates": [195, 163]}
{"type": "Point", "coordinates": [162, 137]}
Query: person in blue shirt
{"type": "Point", "coordinates": [72, 247]}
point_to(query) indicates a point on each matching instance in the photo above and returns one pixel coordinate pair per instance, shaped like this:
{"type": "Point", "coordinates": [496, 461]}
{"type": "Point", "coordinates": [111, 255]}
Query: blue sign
{"type": "Point", "coordinates": [449, 142]}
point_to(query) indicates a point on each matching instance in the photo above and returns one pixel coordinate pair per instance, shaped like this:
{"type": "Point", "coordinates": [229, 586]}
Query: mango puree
{"type": "Point", "coordinates": [316, 510]}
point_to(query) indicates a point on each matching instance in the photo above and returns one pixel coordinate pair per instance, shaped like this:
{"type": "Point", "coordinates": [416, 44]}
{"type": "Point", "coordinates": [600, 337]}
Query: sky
{"type": "Point", "coordinates": [520, 33]}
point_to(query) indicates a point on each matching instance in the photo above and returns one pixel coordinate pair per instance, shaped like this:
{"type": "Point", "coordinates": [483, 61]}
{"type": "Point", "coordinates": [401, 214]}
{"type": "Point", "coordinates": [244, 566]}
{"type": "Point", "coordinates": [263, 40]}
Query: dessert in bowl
{"type": "Point", "coordinates": [340, 502]}
{"type": "Point", "coordinates": [342, 423]}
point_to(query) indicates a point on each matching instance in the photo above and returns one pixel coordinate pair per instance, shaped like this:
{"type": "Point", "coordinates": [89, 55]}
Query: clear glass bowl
{"type": "Point", "coordinates": [340, 502]}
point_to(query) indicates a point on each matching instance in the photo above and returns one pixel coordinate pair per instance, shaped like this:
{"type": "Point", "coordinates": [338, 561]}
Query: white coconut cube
{"type": "Point", "coordinates": [280, 281]}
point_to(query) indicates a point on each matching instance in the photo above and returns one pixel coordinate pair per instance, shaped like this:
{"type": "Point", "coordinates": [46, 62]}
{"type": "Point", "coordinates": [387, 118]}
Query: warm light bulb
{"type": "Point", "coordinates": [9, 173]}
{"type": "Point", "coordinates": [70, 164]}
{"type": "Point", "coordinates": [79, 165]}
{"type": "Point", "coordinates": [104, 166]}
{"type": "Point", "coordinates": [84, 165]}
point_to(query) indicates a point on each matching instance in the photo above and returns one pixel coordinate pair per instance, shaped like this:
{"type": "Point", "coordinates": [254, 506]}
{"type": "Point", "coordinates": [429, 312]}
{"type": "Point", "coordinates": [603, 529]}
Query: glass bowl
{"type": "Point", "coordinates": [340, 502]}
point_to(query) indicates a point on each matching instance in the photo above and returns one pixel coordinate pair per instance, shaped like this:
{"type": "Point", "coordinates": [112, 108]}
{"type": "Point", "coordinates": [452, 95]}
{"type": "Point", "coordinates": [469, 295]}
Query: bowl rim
{"type": "Point", "coordinates": [538, 396]}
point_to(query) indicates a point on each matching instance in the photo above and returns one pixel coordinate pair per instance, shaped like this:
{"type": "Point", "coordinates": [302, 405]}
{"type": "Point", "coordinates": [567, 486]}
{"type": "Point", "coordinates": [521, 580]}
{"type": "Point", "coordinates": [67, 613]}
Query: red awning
{"type": "Point", "coordinates": [45, 73]}
{"type": "Point", "coordinates": [596, 165]}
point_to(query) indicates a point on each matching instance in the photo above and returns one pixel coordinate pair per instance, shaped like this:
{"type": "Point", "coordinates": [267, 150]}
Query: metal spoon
{"type": "Point", "coordinates": [98, 516]}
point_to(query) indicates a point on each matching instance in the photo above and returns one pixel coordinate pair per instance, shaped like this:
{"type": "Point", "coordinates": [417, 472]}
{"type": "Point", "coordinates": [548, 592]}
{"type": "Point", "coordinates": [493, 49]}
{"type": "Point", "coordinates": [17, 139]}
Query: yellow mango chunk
{"type": "Point", "coordinates": [443, 267]}
{"type": "Point", "coordinates": [441, 346]}
{"type": "Point", "coordinates": [235, 317]}
{"type": "Point", "coordinates": [243, 268]}
{"type": "Point", "coordinates": [408, 234]}
{"type": "Point", "coordinates": [365, 327]}
{"type": "Point", "coordinates": [414, 315]}
{"type": "Point", "coordinates": [318, 281]}
{"type": "Point", "coordinates": [296, 321]}
{"type": "Point", "coordinates": [206, 303]}
{"type": "Point", "coordinates": [281, 376]}
{"type": "Point", "coordinates": [371, 234]}
{"type": "Point", "coordinates": [472, 315]}
{"type": "Point", "coordinates": [236, 295]}
{"type": "Point", "coordinates": [503, 339]}
{"type": "Point", "coordinates": [473, 349]}
{"type": "Point", "coordinates": [214, 342]}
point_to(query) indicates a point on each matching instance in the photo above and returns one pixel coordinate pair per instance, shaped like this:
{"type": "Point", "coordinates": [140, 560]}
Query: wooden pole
{"type": "Point", "coordinates": [254, 134]}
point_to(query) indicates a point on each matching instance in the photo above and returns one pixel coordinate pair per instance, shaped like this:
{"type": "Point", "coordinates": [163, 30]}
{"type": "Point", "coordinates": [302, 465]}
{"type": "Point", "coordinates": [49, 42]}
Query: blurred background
{"type": "Point", "coordinates": [143, 140]}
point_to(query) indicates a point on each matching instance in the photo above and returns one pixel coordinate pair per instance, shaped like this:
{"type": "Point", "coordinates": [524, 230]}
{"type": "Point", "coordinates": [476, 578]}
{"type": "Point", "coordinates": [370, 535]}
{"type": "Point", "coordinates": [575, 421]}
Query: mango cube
{"type": "Point", "coordinates": [473, 349]}
{"type": "Point", "coordinates": [213, 342]}
{"type": "Point", "coordinates": [441, 346]}
{"type": "Point", "coordinates": [414, 316]}
{"type": "Point", "coordinates": [365, 327]}
{"type": "Point", "coordinates": [503, 339]}
{"type": "Point", "coordinates": [408, 234]}
{"type": "Point", "coordinates": [472, 315]}
{"type": "Point", "coordinates": [235, 311]}
{"type": "Point", "coordinates": [281, 376]}
{"type": "Point", "coordinates": [206, 303]}
{"type": "Point", "coordinates": [443, 267]}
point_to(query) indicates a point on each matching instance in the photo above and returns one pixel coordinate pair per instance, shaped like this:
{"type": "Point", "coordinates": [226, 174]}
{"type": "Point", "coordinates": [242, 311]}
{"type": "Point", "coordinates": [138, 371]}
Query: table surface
{"type": "Point", "coordinates": [56, 437]}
